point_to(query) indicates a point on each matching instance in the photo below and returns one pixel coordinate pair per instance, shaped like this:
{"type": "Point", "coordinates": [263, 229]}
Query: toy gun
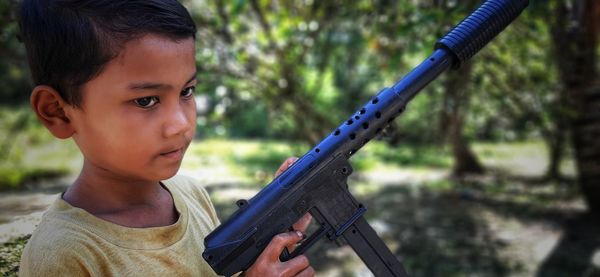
{"type": "Point", "coordinates": [317, 182]}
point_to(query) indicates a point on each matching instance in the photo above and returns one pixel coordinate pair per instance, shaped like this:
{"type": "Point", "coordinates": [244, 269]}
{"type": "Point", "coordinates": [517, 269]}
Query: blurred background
{"type": "Point", "coordinates": [493, 170]}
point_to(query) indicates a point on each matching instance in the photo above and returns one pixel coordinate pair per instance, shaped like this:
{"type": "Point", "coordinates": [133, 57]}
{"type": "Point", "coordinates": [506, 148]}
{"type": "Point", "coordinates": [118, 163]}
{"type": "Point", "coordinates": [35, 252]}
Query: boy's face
{"type": "Point", "coordinates": [138, 115]}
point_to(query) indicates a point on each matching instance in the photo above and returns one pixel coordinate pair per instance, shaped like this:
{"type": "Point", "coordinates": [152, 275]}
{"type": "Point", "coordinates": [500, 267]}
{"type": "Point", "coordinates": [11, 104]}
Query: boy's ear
{"type": "Point", "coordinates": [49, 107]}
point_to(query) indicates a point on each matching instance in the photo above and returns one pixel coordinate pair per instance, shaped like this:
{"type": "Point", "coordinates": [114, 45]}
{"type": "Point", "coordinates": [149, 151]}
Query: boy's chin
{"type": "Point", "coordinates": [163, 174]}
{"type": "Point", "coordinates": [167, 175]}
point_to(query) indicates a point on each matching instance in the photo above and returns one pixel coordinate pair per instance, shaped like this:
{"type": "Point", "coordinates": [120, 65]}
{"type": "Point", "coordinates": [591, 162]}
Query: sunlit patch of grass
{"type": "Point", "coordinates": [265, 158]}
{"type": "Point", "coordinates": [250, 160]}
{"type": "Point", "coordinates": [364, 188]}
{"type": "Point", "coordinates": [441, 185]}
{"type": "Point", "coordinates": [407, 155]}
{"type": "Point", "coordinates": [256, 161]}
{"type": "Point", "coordinates": [526, 158]}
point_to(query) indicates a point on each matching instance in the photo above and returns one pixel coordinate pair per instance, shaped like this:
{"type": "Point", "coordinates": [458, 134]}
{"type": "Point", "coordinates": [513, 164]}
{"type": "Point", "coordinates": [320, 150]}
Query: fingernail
{"type": "Point", "coordinates": [300, 234]}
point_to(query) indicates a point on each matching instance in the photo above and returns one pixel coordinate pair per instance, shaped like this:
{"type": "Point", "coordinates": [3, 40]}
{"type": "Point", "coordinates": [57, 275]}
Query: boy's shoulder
{"type": "Point", "coordinates": [70, 241]}
{"type": "Point", "coordinates": [62, 225]}
{"type": "Point", "coordinates": [65, 226]}
{"type": "Point", "coordinates": [57, 246]}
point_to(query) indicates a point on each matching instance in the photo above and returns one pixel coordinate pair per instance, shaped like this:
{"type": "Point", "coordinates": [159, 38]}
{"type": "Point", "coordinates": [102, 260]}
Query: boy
{"type": "Point", "coordinates": [118, 77]}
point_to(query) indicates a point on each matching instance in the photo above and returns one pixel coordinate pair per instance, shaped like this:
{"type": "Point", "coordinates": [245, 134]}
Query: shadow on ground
{"type": "Point", "coordinates": [575, 250]}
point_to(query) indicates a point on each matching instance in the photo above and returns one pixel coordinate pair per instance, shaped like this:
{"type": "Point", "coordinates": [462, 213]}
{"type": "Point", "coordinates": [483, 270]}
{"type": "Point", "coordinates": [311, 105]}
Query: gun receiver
{"type": "Point", "coordinates": [317, 182]}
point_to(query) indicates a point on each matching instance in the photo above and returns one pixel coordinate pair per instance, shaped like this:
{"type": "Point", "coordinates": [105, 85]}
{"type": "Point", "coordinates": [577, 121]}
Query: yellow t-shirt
{"type": "Point", "coordinates": [71, 242]}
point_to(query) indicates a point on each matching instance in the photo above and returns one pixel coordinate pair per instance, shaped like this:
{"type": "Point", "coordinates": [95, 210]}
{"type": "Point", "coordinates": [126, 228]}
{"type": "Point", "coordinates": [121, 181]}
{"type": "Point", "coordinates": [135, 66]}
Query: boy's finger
{"type": "Point", "coordinates": [275, 247]}
{"type": "Point", "coordinates": [288, 162]}
{"type": "Point", "coordinates": [302, 223]}
{"type": "Point", "coordinates": [295, 266]}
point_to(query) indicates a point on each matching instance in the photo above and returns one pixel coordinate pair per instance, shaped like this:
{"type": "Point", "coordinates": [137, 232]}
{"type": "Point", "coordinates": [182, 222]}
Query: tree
{"type": "Point", "coordinates": [575, 35]}
{"type": "Point", "coordinates": [456, 99]}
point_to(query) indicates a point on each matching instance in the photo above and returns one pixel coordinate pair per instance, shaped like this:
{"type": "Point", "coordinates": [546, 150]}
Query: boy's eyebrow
{"type": "Point", "coordinates": [156, 86]}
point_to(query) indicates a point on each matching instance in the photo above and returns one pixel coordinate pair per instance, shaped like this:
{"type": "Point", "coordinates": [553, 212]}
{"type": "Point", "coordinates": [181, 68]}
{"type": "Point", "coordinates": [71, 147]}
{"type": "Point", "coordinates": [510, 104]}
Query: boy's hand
{"type": "Point", "coordinates": [287, 163]}
{"type": "Point", "coordinates": [268, 263]}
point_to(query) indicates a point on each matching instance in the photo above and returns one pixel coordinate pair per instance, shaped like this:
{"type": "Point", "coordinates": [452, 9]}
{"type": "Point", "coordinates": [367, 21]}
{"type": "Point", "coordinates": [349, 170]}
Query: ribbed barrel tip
{"type": "Point", "coordinates": [479, 28]}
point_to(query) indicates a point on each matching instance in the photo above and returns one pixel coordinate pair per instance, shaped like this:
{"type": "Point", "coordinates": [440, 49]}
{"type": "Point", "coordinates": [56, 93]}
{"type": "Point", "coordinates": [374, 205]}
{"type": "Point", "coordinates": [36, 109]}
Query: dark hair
{"type": "Point", "coordinates": [69, 41]}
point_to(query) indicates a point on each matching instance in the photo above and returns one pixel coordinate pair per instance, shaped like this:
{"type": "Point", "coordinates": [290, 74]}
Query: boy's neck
{"type": "Point", "coordinates": [126, 202]}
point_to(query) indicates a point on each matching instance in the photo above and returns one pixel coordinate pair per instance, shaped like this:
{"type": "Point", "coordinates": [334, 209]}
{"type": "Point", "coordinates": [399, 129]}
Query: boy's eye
{"type": "Point", "coordinates": [189, 91]}
{"type": "Point", "coordinates": [146, 102]}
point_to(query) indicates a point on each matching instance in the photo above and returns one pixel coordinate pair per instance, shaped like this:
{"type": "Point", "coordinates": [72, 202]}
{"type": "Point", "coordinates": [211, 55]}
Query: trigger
{"type": "Point", "coordinates": [285, 255]}
{"type": "Point", "coordinates": [306, 244]}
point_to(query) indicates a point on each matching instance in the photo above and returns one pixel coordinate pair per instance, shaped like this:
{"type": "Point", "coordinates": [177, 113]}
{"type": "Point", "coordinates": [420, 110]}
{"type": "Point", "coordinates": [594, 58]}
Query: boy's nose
{"type": "Point", "coordinates": [178, 122]}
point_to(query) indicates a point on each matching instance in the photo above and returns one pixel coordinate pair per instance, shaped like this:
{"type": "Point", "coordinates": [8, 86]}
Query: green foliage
{"type": "Point", "coordinates": [10, 255]}
{"type": "Point", "coordinates": [332, 57]}
{"type": "Point", "coordinates": [15, 83]}
{"type": "Point", "coordinates": [252, 122]}
{"type": "Point", "coordinates": [296, 69]}
{"type": "Point", "coordinates": [311, 63]}
{"type": "Point", "coordinates": [521, 102]}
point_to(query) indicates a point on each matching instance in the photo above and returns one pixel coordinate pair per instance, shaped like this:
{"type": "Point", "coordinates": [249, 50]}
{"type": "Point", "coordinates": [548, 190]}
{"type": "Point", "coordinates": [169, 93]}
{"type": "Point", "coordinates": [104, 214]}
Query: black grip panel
{"type": "Point", "coordinates": [479, 28]}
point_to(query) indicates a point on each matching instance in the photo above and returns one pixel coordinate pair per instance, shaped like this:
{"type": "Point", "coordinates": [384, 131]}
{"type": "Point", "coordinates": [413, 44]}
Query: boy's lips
{"type": "Point", "coordinates": [175, 154]}
{"type": "Point", "coordinates": [175, 151]}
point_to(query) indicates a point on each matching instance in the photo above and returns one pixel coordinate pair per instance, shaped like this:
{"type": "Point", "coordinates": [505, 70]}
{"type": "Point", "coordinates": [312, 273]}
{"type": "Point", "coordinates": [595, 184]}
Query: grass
{"type": "Point", "coordinates": [10, 254]}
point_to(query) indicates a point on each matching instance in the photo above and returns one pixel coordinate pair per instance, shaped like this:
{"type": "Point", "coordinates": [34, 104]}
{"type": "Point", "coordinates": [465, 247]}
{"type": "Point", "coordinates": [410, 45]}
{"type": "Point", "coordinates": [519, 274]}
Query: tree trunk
{"type": "Point", "coordinates": [586, 140]}
{"type": "Point", "coordinates": [574, 33]}
{"type": "Point", "coordinates": [555, 144]}
{"type": "Point", "coordinates": [456, 102]}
